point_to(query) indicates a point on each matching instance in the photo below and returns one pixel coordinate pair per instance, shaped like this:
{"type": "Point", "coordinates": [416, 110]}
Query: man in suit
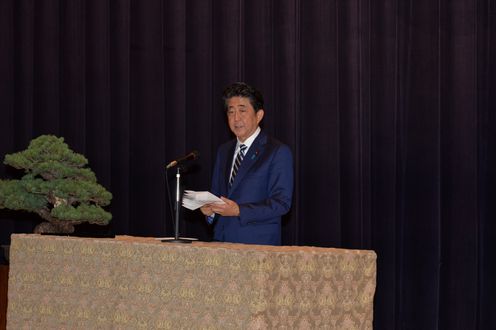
{"type": "Point", "coordinates": [253, 174]}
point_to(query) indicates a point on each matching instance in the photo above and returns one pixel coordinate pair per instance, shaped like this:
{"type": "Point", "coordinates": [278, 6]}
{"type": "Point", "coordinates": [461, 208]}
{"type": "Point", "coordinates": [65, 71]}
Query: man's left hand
{"type": "Point", "coordinates": [229, 209]}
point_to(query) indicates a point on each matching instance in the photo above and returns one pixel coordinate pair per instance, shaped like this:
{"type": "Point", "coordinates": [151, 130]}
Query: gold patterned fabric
{"type": "Point", "coordinates": [141, 283]}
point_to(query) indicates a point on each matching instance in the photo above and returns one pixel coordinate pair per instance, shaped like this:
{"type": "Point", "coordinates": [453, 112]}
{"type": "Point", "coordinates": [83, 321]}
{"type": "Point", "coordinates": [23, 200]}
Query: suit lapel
{"type": "Point", "coordinates": [254, 153]}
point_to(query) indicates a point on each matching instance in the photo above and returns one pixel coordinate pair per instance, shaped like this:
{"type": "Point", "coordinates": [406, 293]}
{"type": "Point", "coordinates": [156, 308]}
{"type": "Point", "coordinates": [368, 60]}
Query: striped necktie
{"type": "Point", "coordinates": [237, 163]}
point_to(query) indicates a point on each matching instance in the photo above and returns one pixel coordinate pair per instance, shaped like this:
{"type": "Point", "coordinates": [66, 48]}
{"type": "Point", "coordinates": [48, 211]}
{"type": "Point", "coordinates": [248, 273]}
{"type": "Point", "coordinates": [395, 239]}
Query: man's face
{"type": "Point", "coordinates": [242, 118]}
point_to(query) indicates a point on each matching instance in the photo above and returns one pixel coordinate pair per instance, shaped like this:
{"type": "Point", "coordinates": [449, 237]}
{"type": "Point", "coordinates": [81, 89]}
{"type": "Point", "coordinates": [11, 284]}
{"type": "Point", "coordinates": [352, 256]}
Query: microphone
{"type": "Point", "coordinates": [192, 155]}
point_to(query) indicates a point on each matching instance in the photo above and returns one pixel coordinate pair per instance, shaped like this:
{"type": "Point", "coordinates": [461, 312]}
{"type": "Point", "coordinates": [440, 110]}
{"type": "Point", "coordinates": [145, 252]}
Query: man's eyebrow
{"type": "Point", "coordinates": [236, 106]}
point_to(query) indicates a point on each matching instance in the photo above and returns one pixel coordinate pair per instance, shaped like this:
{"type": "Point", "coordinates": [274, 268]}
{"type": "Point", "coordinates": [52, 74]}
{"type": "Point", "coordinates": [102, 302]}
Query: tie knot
{"type": "Point", "coordinates": [242, 148]}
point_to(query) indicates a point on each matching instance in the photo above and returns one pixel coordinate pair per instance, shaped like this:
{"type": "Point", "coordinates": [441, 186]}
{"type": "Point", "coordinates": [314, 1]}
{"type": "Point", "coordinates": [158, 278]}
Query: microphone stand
{"type": "Point", "coordinates": [176, 238]}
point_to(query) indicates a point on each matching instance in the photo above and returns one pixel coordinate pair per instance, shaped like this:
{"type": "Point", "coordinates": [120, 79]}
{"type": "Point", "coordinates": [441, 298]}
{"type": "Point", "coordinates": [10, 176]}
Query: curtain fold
{"type": "Point", "coordinates": [387, 105]}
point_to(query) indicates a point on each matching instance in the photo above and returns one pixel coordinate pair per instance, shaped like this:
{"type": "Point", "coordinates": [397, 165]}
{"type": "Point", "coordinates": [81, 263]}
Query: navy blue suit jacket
{"type": "Point", "coordinates": [263, 189]}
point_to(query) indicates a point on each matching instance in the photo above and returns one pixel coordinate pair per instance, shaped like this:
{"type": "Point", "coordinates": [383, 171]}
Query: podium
{"type": "Point", "coordinates": [132, 283]}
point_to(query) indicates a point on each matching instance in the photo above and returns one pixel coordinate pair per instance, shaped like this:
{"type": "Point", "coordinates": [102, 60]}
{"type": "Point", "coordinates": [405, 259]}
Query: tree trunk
{"type": "Point", "coordinates": [59, 227]}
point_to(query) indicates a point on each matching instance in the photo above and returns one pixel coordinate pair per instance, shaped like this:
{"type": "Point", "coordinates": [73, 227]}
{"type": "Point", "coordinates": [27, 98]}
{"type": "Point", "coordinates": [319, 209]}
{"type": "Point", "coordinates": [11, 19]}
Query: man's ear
{"type": "Point", "coordinates": [260, 114]}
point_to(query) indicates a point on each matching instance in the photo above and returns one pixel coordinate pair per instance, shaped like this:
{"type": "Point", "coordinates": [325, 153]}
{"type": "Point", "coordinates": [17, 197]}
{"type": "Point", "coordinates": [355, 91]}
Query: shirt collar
{"type": "Point", "coordinates": [249, 141]}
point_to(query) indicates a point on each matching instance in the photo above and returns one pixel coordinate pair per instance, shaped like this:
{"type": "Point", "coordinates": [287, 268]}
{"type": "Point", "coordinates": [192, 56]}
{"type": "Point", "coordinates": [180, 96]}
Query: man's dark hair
{"type": "Point", "coordinates": [242, 89]}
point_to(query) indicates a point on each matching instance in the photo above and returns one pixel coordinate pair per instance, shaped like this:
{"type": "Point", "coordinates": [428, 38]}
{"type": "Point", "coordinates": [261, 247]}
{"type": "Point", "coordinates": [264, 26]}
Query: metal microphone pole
{"type": "Point", "coordinates": [178, 198]}
{"type": "Point", "coordinates": [176, 238]}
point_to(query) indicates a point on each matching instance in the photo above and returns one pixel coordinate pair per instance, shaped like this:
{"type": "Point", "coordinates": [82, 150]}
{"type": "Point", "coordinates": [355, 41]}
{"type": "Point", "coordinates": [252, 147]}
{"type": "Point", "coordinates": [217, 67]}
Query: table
{"type": "Point", "coordinates": [140, 283]}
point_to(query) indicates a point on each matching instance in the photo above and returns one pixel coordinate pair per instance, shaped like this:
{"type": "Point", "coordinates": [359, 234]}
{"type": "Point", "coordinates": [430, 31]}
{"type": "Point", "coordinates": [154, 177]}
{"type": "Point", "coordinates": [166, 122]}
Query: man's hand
{"type": "Point", "coordinates": [229, 209]}
{"type": "Point", "coordinates": [207, 210]}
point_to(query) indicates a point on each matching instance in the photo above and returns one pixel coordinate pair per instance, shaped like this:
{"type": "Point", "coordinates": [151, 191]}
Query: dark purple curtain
{"type": "Point", "coordinates": [388, 106]}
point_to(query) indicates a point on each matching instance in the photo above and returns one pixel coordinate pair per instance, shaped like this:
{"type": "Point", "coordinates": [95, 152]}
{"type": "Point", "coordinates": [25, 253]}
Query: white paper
{"type": "Point", "coordinates": [196, 199]}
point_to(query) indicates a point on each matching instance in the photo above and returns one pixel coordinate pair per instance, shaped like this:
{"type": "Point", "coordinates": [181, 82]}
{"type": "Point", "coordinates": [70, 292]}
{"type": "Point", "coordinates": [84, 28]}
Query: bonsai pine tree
{"type": "Point", "coordinates": [56, 185]}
